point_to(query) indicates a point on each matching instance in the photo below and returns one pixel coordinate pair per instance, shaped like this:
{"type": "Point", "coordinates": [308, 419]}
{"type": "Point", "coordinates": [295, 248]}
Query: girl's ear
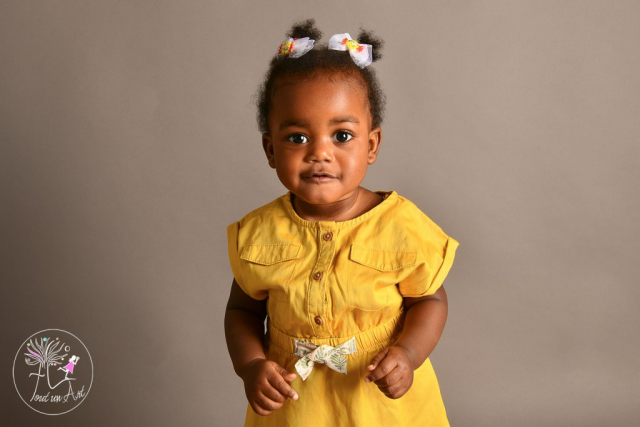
{"type": "Point", "coordinates": [267, 144]}
{"type": "Point", "coordinates": [375, 139]}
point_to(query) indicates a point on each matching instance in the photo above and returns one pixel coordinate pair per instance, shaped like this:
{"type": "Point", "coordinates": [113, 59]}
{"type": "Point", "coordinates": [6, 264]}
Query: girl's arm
{"type": "Point", "coordinates": [392, 368]}
{"type": "Point", "coordinates": [423, 325]}
{"type": "Point", "coordinates": [265, 382]}
{"type": "Point", "coordinates": [244, 327]}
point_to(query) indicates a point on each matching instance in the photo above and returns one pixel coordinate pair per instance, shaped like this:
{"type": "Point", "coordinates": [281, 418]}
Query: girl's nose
{"type": "Point", "coordinates": [320, 151]}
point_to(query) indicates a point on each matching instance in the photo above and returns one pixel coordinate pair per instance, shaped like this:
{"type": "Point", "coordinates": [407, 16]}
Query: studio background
{"type": "Point", "coordinates": [129, 143]}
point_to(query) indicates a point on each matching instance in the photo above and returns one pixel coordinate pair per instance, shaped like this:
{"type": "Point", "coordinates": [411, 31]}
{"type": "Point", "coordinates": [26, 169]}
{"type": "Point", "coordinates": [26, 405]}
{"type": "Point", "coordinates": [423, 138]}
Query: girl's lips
{"type": "Point", "coordinates": [319, 177]}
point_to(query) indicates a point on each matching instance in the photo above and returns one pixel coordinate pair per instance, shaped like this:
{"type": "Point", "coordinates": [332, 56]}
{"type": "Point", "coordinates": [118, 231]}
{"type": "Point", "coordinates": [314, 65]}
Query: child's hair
{"type": "Point", "coordinates": [322, 59]}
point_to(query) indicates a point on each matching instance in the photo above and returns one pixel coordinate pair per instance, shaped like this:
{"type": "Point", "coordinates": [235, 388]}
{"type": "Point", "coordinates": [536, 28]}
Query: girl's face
{"type": "Point", "coordinates": [320, 140]}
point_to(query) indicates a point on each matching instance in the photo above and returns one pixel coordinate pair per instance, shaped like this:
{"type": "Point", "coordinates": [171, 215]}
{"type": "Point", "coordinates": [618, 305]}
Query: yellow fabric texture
{"type": "Point", "coordinates": [328, 281]}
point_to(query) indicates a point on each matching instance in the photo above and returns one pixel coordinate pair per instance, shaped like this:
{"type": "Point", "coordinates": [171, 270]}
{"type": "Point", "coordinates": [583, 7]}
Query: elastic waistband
{"type": "Point", "coordinates": [372, 338]}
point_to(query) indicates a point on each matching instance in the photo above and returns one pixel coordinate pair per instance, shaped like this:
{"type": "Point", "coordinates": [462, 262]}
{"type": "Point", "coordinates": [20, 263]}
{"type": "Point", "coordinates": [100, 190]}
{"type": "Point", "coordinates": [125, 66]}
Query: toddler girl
{"type": "Point", "coordinates": [349, 280]}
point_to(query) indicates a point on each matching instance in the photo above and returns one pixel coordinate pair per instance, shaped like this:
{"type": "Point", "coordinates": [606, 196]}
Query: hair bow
{"type": "Point", "coordinates": [333, 357]}
{"type": "Point", "coordinates": [295, 47]}
{"type": "Point", "coordinates": [362, 54]}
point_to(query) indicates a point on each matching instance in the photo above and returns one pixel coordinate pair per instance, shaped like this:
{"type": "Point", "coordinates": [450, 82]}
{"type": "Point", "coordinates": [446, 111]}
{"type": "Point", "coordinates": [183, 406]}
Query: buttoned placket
{"type": "Point", "coordinates": [317, 289]}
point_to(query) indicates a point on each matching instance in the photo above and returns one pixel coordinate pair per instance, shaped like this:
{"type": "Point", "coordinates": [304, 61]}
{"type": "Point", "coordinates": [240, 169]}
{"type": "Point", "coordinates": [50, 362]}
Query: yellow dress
{"type": "Point", "coordinates": [327, 282]}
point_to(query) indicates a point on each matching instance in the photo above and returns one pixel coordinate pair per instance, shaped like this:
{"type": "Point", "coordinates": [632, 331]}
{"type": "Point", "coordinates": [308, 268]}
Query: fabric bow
{"type": "Point", "coordinates": [333, 357]}
{"type": "Point", "coordinates": [295, 48]}
{"type": "Point", "coordinates": [362, 54]}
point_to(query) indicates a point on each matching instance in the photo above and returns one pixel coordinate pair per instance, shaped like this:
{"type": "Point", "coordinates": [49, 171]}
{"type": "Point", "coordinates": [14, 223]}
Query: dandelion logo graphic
{"type": "Point", "coordinates": [53, 372]}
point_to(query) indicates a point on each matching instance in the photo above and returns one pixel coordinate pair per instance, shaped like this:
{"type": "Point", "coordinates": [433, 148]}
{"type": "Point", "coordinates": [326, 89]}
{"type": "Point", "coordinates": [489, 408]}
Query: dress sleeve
{"type": "Point", "coordinates": [236, 263]}
{"type": "Point", "coordinates": [434, 259]}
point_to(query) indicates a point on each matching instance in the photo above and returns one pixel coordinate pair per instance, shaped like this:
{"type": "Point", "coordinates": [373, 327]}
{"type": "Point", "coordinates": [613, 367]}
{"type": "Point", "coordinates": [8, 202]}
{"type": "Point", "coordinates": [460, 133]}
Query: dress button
{"type": "Point", "coordinates": [318, 320]}
{"type": "Point", "coordinates": [327, 236]}
{"type": "Point", "coordinates": [318, 275]}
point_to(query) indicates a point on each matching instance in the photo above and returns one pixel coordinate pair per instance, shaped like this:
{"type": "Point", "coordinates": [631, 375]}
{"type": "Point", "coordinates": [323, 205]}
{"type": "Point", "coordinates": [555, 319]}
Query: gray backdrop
{"type": "Point", "coordinates": [128, 143]}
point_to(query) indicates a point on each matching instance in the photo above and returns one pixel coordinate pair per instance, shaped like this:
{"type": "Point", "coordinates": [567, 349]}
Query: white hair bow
{"type": "Point", "coordinates": [362, 54]}
{"type": "Point", "coordinates": [295, 47]}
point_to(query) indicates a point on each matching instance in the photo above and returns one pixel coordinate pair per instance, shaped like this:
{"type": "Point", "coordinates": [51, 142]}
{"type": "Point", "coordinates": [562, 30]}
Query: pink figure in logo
{"type": "Point", "coordinates": [72, 363]}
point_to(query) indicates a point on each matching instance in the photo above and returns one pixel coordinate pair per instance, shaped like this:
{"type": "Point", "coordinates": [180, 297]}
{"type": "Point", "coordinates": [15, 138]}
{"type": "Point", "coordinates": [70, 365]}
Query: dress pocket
{"type": "Point", "coordinates": [374, 274]}
{"type": "Point", "coordinates": [270, 266]}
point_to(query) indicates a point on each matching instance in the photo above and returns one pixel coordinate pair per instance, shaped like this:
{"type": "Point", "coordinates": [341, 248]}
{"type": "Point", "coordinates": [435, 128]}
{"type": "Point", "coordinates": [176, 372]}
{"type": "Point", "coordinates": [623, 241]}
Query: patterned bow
{"type": "Point", "coordinates": [362, 54]}
{"type": "Point", "coordinates": [295, 48]}
{"type": "Point", "coordinates": [333, 357]}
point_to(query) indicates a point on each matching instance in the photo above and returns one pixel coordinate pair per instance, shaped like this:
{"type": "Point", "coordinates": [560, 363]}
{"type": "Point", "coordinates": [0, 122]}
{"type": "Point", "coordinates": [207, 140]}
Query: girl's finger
{"type": "Point", "coordinates": [378, 358]}
{"type": "Point", "coordinates": [384, 368]}
{"type": "Point", "coordinates": [278, 382]}
{"type": "Point", "coordinates": [395, 392]}
{"type": "Point", "coordinates": [259, 409]}
{"type": "Point", "coordinates": [274, 394]}
{"type": "Point", "coordinates": [288, 376]}
{"type": "Point", "coordinates": [390, 379]}
{"type": "Point", "coordinates": [266, 403]}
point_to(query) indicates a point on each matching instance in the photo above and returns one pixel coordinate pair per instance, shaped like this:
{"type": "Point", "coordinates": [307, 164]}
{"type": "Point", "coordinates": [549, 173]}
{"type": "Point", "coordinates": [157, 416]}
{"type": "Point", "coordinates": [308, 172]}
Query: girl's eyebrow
{"type": "Point", "coordinates": [334, 121]}
{"type": "Point", "coordinates": [288, 123]}
{"type": "Point", "coordinates": [344, 119]}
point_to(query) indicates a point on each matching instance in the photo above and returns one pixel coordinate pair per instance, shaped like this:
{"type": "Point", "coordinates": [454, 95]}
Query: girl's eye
{"type": "Point", "coordinates": [343, 136]}
{"type": "Point", "coordinates": [298, 138]}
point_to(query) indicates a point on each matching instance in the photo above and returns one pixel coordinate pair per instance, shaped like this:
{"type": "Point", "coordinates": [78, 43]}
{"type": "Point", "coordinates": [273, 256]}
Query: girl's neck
{"type": "Point", "coordinates": [361, 201]}
{"type": "Point", "coordinates": [335, 211]}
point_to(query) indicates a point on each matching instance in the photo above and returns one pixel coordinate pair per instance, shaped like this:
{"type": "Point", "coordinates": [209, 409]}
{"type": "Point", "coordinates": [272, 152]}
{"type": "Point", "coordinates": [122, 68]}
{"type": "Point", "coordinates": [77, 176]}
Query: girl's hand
{"type": "Point", "coordinates": [392, 371]}
{"type": "Point", "coordinates": [265, 384]}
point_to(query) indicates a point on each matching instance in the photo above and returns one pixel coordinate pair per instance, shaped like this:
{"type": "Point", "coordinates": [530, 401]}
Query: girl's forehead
{"type": "Point", "coordinates": [325, 86]}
